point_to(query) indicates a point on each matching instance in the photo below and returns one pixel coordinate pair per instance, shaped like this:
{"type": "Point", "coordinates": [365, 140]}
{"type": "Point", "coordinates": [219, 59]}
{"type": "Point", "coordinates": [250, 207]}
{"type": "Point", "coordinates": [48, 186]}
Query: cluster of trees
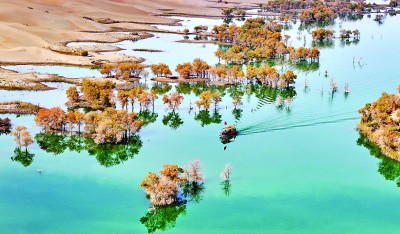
{"type": "Point", "coordinates": [144, 97]}
{"type": "Point", "coordinates": [200, 28]}
{"type": "Point", "coordinates": [264, 74]}
{"type": "Point", "coordinates": [172, 100]}
{"type": "Point", "coordinates": [198, 68]}
{"type": "Point", "coordinates": [123, 70]}
{"type": "Point", "coordinates": [54, 119]}
{"type": "Point", "coordinates": [22, 137]}
{"type": "Point", "coordinates": [286, 5]}
{"type": "Point", "coordinates": [161, 69]}
{"type": "Point", "coordinates": [228, 12]}
{"type": "Point", "coordinates": [270, 76]}
{"type": "Point", "coordinates": [111, 125]}
{"type": "Point", "coordinates": [325, 35]}
{"type": "Point", "coordinates": [222, 73]}
{"type": "Point", "coordinates": [344, 34]}
{"type": "Point", "coordinates": [5, 126]}
{"type": "Point", "coordinates": [319, 14]}
{"type": "Point", "coordinates": [310, 11]}
{"type": "Point", "coordinates": [380, 122]}
{"type": "Point", "coordinates": [108, 126]}
{"type": "Point", "coordinates": [322, 34]}
{"type": "Point", "coordinates": [256, 40]}
{"type": "Point", "coordinates": [93, 94]}
{"type": "Point", "coordinates": [207, 98]}
{"type": "Point", "coordinates": [317, 11]}
{"type": "Point", "coordinates": [164, 217]}
{"type": "Point", "coordinates": [304, 54]}
{"type": "Point", "coordinates": [168, 188]}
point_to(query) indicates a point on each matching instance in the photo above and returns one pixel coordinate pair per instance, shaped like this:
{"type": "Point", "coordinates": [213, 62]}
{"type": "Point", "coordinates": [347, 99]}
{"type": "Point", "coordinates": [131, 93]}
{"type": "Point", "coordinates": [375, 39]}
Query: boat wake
{"type": "Point", "coordinates": [266, 118]}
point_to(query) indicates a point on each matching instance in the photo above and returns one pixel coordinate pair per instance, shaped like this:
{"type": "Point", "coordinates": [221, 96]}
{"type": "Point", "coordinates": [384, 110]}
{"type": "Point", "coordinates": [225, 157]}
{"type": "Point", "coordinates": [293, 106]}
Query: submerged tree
{"type": "Point", "coordinates": [226, 178]}
{"type": "Point", "coordinates": [173, 100]}
{"type": "Point", "coordinates": [22, 137]}
{"type": "Point", "coordinates": [205, 100]}
{"type": "Point", "coordinates": [165, 189]}
{"type": "Point", "coordinates": [53, 119]}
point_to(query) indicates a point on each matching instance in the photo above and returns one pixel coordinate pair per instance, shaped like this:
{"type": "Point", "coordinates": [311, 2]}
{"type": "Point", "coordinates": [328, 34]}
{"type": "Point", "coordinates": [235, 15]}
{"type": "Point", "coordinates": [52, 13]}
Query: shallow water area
{"type": "Point", "coordinates": [66, 71]}
{"type": "Point", "coordinates": [190, 23]}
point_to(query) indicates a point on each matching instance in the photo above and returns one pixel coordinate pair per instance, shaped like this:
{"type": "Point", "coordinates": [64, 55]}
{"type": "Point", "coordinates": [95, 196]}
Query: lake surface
{"type": "Point", "coordinates": [299, 170]}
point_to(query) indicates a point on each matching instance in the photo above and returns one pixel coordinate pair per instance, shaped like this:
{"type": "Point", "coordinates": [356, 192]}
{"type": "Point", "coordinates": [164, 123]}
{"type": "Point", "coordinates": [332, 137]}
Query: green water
{"type": "Point", "coordinates": [296, 171]}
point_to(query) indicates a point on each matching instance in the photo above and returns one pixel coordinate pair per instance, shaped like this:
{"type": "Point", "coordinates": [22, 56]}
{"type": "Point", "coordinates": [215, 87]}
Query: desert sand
{"type": "Point", "coordinates": [31, 29]}
{"type": "Point", "coordinates": [11, 80]}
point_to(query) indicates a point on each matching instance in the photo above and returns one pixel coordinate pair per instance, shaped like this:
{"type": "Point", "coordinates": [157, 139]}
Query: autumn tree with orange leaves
{"type": "Point", "coordinates": [22, 137]}
{"type": "Point", "coordinates": [161, 69]}
{"type": "Point", "coordinates": [53, 119]}
{"type": "Point", "coordinates": [97, 94]}
{"type": "Point", "coordinates": [380, 123]}
{"type": "Point", "coordinates": [166, 188]}
{"type": "Point", "coordinates": [173, 100]}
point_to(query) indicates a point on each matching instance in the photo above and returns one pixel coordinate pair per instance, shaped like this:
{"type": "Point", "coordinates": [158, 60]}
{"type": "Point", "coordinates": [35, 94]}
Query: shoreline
{"type": "Point", "coordinates": [70, 26]}
{"type": "Point", "coordinates": [14, 81]}
{"type": "Point", "coordinates": [18, 108]}
{"type": "Point", "coordinates": [364, 129]}
{"type": "Point", "coordinates": [178, 79]}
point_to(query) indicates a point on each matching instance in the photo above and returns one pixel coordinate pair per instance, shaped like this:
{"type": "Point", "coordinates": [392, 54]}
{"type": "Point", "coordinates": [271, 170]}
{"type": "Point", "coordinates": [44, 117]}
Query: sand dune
{"type": "Point", "coordinates": [28, 28]}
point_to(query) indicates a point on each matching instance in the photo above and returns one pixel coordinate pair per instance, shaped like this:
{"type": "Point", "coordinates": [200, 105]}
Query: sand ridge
{"type": "Point", "coordinates": [29, 28]}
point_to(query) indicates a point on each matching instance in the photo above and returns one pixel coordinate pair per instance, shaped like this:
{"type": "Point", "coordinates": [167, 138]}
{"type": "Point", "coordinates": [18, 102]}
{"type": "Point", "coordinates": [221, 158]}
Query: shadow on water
{"type": "Point", "coordinates": [387, 167]}
{"type": "Point", "coordinates": [107, 155]}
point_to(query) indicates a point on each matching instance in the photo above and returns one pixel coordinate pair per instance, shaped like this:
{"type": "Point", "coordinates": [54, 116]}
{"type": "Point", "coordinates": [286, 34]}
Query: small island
{"type": "Point", "coordinates": [380, 124]}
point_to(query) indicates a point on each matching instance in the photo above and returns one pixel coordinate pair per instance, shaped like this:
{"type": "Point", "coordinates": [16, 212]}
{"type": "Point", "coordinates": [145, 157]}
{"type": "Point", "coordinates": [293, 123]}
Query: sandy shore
{"type": "Point", "coordinates": [178, 79]}
{"type": "Point", "coordinates": [12, 80]}
{"type": "Point", "coordinates": [30, 28]}
{"type": "Point", "coordinates": [17, 107]}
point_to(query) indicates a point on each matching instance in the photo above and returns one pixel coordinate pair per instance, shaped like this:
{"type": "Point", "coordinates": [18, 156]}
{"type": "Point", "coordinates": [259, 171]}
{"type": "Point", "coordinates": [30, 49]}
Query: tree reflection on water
{"type": "Point", "coordinates": [388, 168]}
{"type": "Point", "coordinates": [173, 120]}
{"type": "Point", "coordinates": [164, 217]}
{"type": "Point", "coordinates": [205, 118]}
{"type": "Point", "coordinates": [107, 155]}
{"type": "Point", "coordinates": [23, 156]}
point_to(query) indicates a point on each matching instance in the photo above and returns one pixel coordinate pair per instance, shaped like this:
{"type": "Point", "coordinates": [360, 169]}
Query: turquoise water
{"type": "Point", "coordinates": [299, 170]}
